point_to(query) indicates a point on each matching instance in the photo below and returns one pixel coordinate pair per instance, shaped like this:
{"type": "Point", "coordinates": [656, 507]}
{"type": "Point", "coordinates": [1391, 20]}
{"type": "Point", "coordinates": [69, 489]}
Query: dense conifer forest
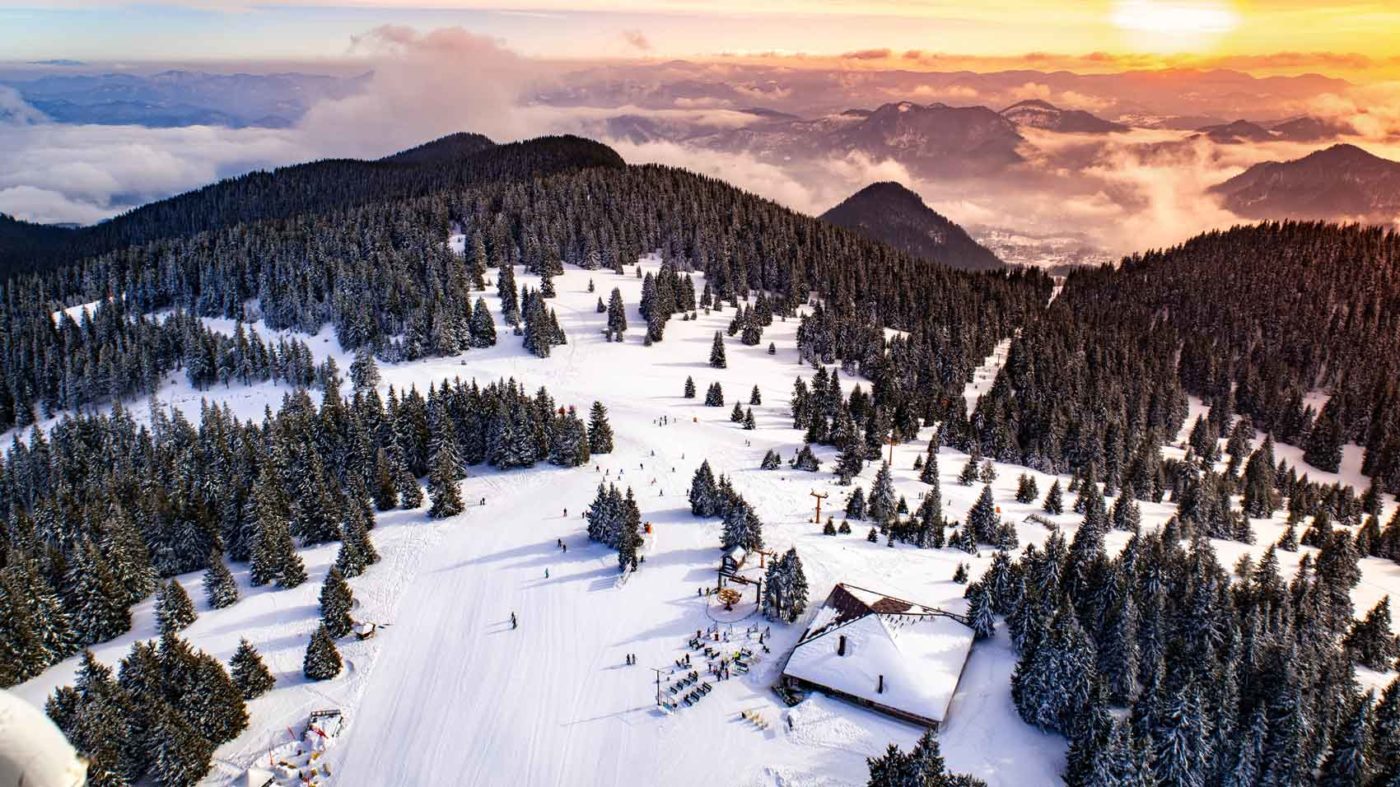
{"type": "Point", "coordinates": [1252, 320]}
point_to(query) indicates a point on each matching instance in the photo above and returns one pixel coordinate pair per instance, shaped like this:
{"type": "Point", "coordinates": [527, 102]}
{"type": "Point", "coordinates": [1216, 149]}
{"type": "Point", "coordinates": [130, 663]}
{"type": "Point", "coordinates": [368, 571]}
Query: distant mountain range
{"type": "Point", "coordinates": [893, 214]}
{"type": "Point", "coordinates": [1342, 182]}
{"type": "Point", "coordinates": [181, 98]}
{"type": "Point", "coordinates": [1042, 114]}
{"type": "Point", "coordinates": [932, 140]}
{"type": "Point", "coordinates": [1298, 129]}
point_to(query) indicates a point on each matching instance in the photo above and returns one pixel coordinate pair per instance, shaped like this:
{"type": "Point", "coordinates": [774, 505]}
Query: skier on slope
{"type": "Point", "coordinates": [513, 622]}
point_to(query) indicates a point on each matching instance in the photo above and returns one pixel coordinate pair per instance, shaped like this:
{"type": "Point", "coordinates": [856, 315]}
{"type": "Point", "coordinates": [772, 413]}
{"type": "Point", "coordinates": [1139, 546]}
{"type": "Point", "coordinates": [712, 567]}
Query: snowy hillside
{"type": "Point", "coordinates": [449, 692]}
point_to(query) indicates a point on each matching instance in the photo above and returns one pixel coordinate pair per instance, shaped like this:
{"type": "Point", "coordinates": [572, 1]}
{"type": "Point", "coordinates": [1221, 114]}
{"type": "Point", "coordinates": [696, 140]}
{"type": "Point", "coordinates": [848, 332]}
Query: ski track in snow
{"type": "Point", "coordinates": [448, 693]}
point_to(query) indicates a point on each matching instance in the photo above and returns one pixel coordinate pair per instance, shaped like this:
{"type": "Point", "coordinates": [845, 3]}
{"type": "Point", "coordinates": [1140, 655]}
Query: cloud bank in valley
{"type": "Point", "coordinates": [425, 85]}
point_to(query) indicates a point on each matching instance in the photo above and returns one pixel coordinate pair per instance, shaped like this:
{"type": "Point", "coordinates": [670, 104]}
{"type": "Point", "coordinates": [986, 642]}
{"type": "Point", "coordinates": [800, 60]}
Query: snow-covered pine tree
{"type": "Point", "coordinates": [1346, 762]}
{"type": "Point", "coordinates": [357, 551]}
{"type": "Point", "coordinates": [322, 660]}
{"type": "Point", "coordinates": [755, 397]}
{"type": "Point", "coordinates": [1370, 642]}
{"type": "Point", "coordinates": [988, 472]}
{"type": "Point", "coordinates": [1054, 499]}
{"type": "Point", "coordinates": [970, 472]}
{"type": "Point", "coordinates": [100, 605]}
{"type": "Point", "coordinates": [442, 486]}
{"type": "Point", "coordinates": [336, 602]}
{"type": "Point", "coordinates": [1026, 489]}
{"type": "Point", "coordinates": [1324, 442]}
{"type": "Point", "coordinates": [629, 533]}
{"type": "Point", "coordinates": [855, 505]}
{"type": "Point", "coordinates": [741, 527]}
{"type": "Point", "coordinates": [737, 414]}
{"type": "Point", "coordinates": [617, 315]}
{"type": "Point", "coordinates": [1126, 515]}
{"type": "Point", "coordinates": [979, 611]}
{"type": "Point", "coordinates": [771, 460]}
{"type": "Point", "coordinates": [364, 373]}
{"type": "Point", "coordinates": [384, 490]}
{"type": "Point", "coordinates": [600, 434]}
{"type": "Point", "coordinates": [806, 460]}
{"type": "Point", "coordinates": [174, 610]}
{"type": "Point", "coordinates": [796, 586]}
{"type": "Point", "coordinates": [219, 586]}
{"type": "Point", "coordinates": [249, 674]}
{"type": "Point", "coordinates": [1053, 681]}
{"type": "Point", "coordinates": [180, 756]}
{"type": "Point", "coordinates": [510, 303]}
{"type": "Point", "coordinates": [982, 519]}
{"type": "Point", "coordinates": [703, 495]}
{"type": "Point", "coordinates": [714, 396]}
{"type": "Point", "coordinates": [1260, 496]}
{"type": "Point", "coordinates": [482, 326]}
{"type": "Point", "coordinates": [689, 387]}
{"type": "Point", "coordinates": [717, 360]}
{"type": "Point", "coordinates": [880, 505]}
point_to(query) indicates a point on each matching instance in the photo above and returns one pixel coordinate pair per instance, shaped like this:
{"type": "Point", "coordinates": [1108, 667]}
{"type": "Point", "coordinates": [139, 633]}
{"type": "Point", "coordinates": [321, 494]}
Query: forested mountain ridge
{"type": "Point", "coordinates": [1340, 183]}
{"type": "Point", "coordinates": [1252, 319]}
{"type": "Point", "coordinates": [454, 161]}
{"type": "Point", "coordinates": [383, 276]}
{"type": "Point", "coordinates": [893, 214]}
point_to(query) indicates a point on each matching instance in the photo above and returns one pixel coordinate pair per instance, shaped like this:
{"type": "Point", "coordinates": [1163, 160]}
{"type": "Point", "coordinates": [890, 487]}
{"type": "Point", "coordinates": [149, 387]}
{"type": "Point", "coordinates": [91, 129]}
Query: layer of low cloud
{"type": "Point", "coordinates": [55, 173]}
{"type": "Point", "coordinates": [425, 85]}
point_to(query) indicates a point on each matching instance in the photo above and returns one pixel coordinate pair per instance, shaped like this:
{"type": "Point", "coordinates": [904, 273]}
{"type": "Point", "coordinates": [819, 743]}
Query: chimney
{"type": "Point", "coordinates": [880, 688]}
{"type": "Point", "coordinates": [841, 645]}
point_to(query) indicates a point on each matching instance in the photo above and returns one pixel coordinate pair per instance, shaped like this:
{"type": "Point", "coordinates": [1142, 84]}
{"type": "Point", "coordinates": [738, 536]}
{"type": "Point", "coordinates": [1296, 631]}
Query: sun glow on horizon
{"type": "Point", "coordinates": [1174, 25]}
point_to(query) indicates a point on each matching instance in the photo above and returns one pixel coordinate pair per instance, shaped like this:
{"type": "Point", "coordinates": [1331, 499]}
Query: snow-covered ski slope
{"type": "Point", "coordinates": [450, 694]}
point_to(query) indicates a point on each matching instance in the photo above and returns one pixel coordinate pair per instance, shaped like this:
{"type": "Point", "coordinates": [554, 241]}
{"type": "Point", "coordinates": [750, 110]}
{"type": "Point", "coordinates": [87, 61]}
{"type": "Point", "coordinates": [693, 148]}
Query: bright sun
{"type": "Point", "coordinates": [1174, 24]}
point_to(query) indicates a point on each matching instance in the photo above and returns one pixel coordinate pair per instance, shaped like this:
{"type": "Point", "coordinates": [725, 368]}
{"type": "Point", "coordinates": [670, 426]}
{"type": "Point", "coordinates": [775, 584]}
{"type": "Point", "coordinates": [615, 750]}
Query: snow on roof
{"type": "Point", "coordinates": [920, 652]}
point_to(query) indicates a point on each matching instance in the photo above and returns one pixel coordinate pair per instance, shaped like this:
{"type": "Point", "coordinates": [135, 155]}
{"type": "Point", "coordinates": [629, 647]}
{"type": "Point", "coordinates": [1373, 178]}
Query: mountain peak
{"type": "Point", "coordinates": [442, 150]}
{"type": "Point", "coordinates": [1338, 183]}
{"type": "Point", "coordinates": [890, 212]}
{"type": "Point", "coordinates": [888, 189]}
{"type": "Point", "coordinates": [1033, 103]}
{"type": "Point", "coordinates": [1347, 153]}
{"type": "Point", "coordinates": [1038, 113]}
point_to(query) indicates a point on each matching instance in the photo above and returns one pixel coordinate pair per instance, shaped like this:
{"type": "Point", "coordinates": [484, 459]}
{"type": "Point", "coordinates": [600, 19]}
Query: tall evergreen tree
{"type": "Point", "coordinates": [600, 434]}
{"type": "Point", "coordinates": [442, 487]}
{"type": "Point", "coordinates": [174, 610]}
{"type": "Point", "coordinates": [336, 602]}
{"type": "Point", "coordinates": [322, 660]}
{"type": "Point", "coordinates": [219, 586]}
{"type": "Point", "coordinates": [249, 674]}
{"type": "Point", "coordinates": [717, 360]}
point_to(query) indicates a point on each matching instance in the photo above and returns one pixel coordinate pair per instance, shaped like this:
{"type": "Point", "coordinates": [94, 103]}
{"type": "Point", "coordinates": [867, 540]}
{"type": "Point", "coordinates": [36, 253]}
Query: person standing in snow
{"type": "Point", "coordinates": [513, 622]}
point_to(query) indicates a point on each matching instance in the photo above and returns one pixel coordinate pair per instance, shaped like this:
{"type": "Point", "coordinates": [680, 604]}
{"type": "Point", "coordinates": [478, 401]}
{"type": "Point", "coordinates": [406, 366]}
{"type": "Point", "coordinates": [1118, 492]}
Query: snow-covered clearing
{"type": "Point", "coordinates": [985, 375]}
{"type": "Point", "coordinates": [449, 693]}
